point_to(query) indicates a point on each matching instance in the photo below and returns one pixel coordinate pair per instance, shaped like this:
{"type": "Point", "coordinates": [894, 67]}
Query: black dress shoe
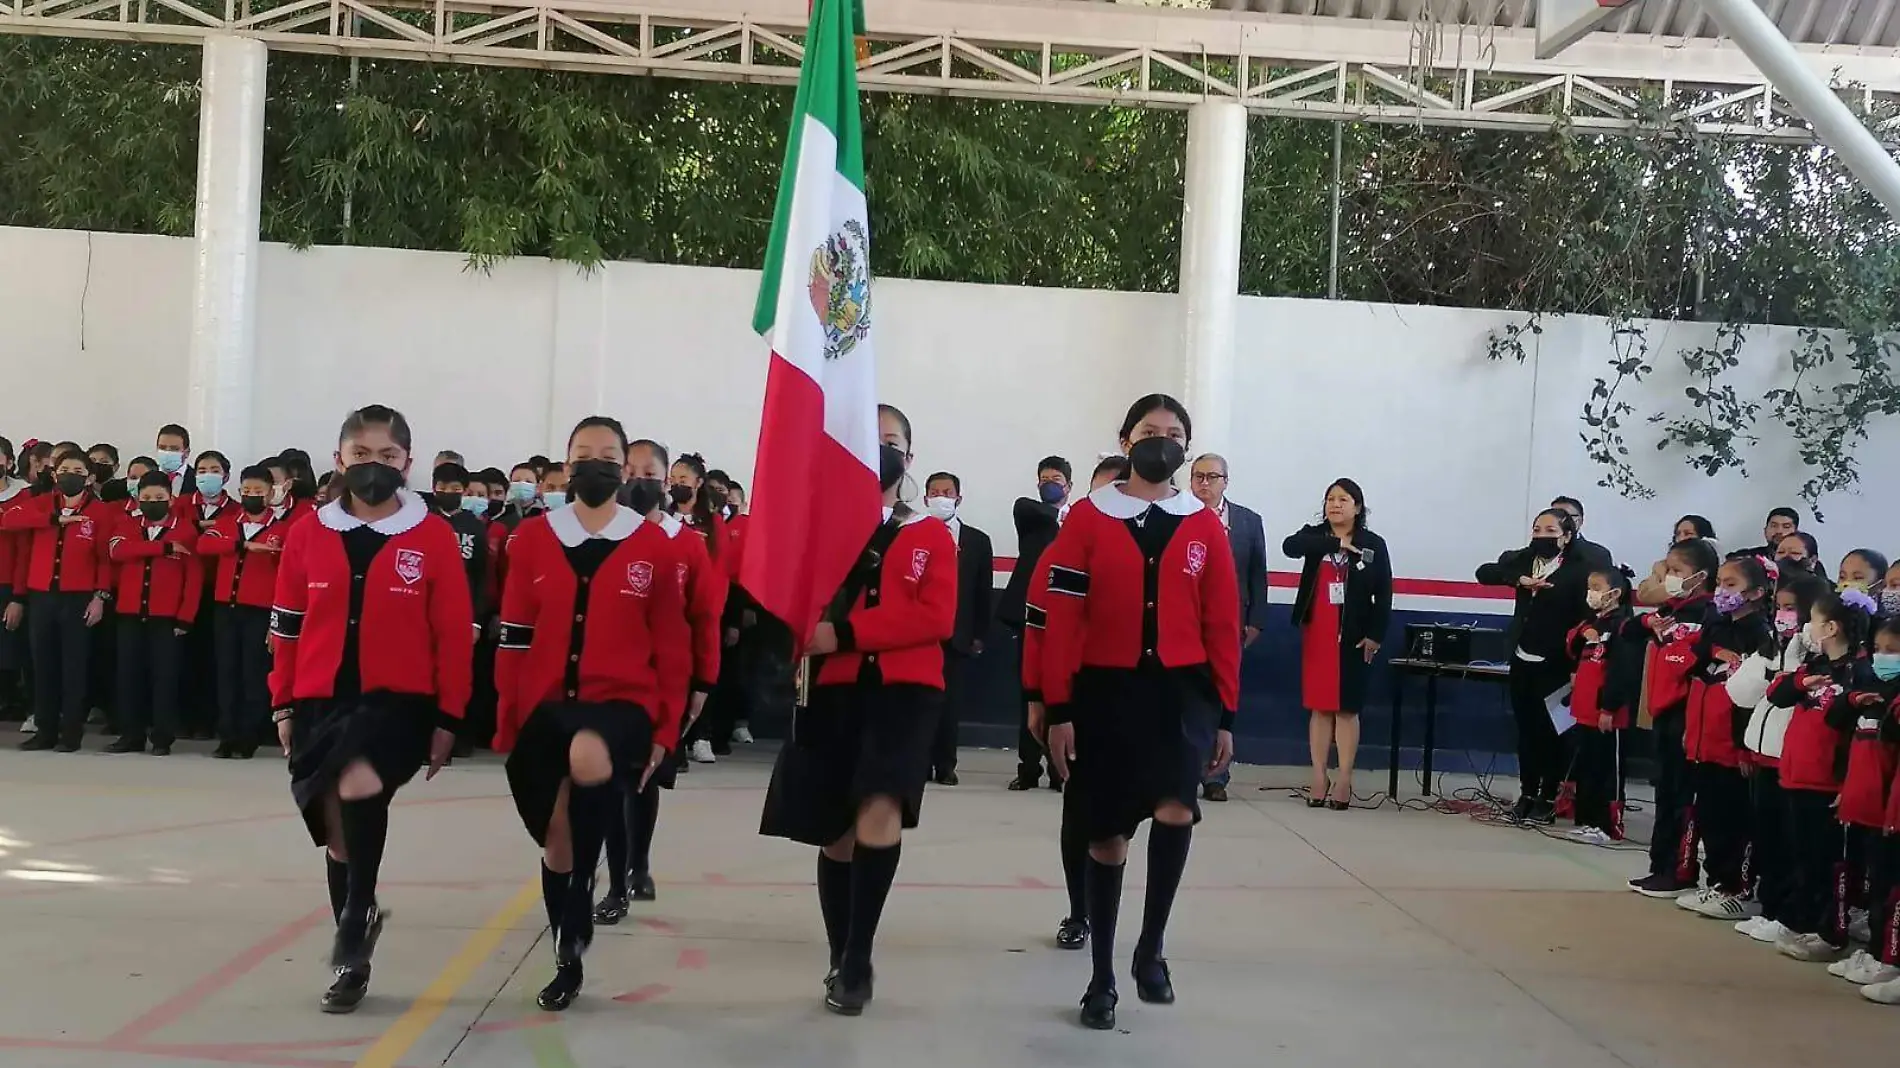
{"type": "Point", "coordinates": [1021, 783]}
{"type": "Point", "coordinates": [1098, 1009]}
{"type": "Point", "coordinates": [948, 778]}
{"type": "Point", "coordinates": [611, 910]}
{"type": "Point", "coordinates": [1213, 791]}
{"type": "Point", "coordinates": [643, 888]}
{"type": "Point", "coordinates": [39, 743]}
{"type": "Point", "coordinates": [127, 745]}
{"type": "Point", "coordinates": [1056, 785]}
{"type": "Point", "coordinates": [1152, 982]}
{"type": "Point", "coordinates": [1339, 806]}
{"type": "Point", "coordinates": [1542, 813]}
{"type": "Point", "coordinates": [347, 991]}
{"type": "Point", "coordinates": [244, 752]}
{"type": "Point", "coordinates": [161, 750]}
{"type": "Point", "coordinates": [224, 751]}
{"type": "Point", "coordinates": [1315, 802]}
{"type": "Point", "coordinates": [67, 747]}
{"type": "Point", "coordinates": [848, 996]}
{"type": "Point", "coordinates": [1072, 933]}
{"type": "Point", "coordinates": [562, 989]}
{"type": "Point", "coordinates": [1522, 810]}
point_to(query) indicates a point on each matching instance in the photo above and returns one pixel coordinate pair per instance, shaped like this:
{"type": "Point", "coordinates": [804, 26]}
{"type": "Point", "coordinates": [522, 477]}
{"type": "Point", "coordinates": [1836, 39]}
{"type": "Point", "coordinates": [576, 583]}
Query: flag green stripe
{"type": "Point", "coordinates": [827, 93]}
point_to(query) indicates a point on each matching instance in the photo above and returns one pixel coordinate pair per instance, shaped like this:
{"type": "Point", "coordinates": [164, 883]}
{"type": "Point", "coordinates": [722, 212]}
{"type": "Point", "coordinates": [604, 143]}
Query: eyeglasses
{"type": "Point", "coordinates": [1208, 477]}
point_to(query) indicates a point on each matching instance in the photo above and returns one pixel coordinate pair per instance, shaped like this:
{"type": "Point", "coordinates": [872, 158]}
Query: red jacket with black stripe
{"type": "Point", "coordinates": [245, 564]}
{"type": "Point", "coordinates": [1674, 628]}
{"type": "Point", "coordinates": [904, 615]}
{"type": "Point", "coordinates": [1814, 752]}
{"type": "Point", "coordinates": [1095, 597]}
{"type": "Point", "coordinates": [154, 579]}
{"type": "Point", "coordinates": [1609, 652]}
{"type": "Point", "coordinates": [704, 586]}
{"type": "Point", "coordinates": [417, 626]}
{"type": "Point", "coordinates": [619, 636]}
{"type": "Point", "coordinates": [1713, 728]}
{"type": "Point", "coordinates": [64, 557]}
{"type": "Point", "coordinates": [1873, 751]}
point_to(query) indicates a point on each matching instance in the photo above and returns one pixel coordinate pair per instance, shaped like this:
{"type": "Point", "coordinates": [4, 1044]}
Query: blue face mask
{"type": "Point", "coordinates": [1887, 666]}
{"type": "Point", "coordinates": [521, 492]}
{"type": "Point", "coordinates": [1051, 492]}
{"type": "Point", "coordinates": [170, 462]}
{"type": "Point", "coordinates": [477, 505]}
{"type": "Point", "coordinates": [210, 485]}
{"type": "Point", "coordinates": [554, 499]}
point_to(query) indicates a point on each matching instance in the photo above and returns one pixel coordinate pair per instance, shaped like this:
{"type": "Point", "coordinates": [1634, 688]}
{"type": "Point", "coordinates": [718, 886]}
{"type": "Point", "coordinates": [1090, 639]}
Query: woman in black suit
{"type": "Point", "coordinates": [1344, 602]}
{"type": "Point", "coordinates": [1552, 585]}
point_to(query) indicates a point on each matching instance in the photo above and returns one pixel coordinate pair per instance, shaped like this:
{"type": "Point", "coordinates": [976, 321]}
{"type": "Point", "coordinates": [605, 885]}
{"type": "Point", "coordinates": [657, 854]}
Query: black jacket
{"type": "Point", "coordinates": [471, 535]}
{"type": "Point", "coordinates": [1541, 621]}
{"type": "Point", "coordinates": [1597, 556]}
{"type": "Point", "coordinates": [976, 587]}
{"type": "Point", "coordinates": [1036, 526]}
{"type": "Point", "coordinates": [1368, 605]}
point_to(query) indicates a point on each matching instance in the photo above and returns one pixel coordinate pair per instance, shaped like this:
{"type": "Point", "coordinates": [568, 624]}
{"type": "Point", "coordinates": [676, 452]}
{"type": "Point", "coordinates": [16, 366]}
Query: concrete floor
{"type": "Point", "coordinates": [165, 912]}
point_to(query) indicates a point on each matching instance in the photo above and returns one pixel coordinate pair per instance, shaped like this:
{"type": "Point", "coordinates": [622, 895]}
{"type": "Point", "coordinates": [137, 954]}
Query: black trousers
{"type": "Point", "coordinates": [1030, 755]}
{"type": "Point", "coordinates": [198, 681]}
{"type": "Point", "coordinates": [1722, 821]}
{"type": "Point", "coordinates": [1883, 884]}
{"type": "Point", "coordinates": [1540, 750]}
{"type": "Point", "coordinates": [1672, 845]}
{"type": "Point", "coordinates": [1814, 838]}
{"type": "Point", "coordinates": [62, 656]}
{"type": "Point", "coordinates": [102, 673]}
{"type": "Point", "coordinates": [478, 727]}
{"type": "Point", "coordinates": [1851, 890]}
{"type": "Point", "coordinates": [943, 748]}
{"type": "Point", "coordinates": [241, 645]}
{"type": "Point", "coordinates": [1772, 864]}
{"type": "Point", "coordinates": [1599, 778]}
{"type": "Point", "coordinates": [149, 652]}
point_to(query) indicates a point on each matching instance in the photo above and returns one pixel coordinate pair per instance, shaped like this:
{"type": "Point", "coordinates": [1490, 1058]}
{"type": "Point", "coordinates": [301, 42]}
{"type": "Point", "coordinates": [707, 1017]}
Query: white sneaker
{"type": "Point", "coordinates": [1858, 928]}
{"type": "Point", "coordinates": [31, 726]}
{"type": "Point", "coordinates": [1839, 968]}
{"type": "Point", "coordinates": [1750, 926]}
{"type": "Point", "coordinates": [1595, 836]}
{"type": "Point", "coordinates": [1887, 993]}
{"type": "Point", "coordinates": [1695, 899]}
{"type": "Point", "coordinates": [1806, 947]}
{"type": "Point", "coordinates": [1865, 969]}
{"type": "Point", "coordinates": [702, 752]}
{"type": "Point", "coordinates": [1770, 931]}
{"type": "Point", "coordinates": [1720, 906]}
{"type": "Point", "coordinates": [742, 735]}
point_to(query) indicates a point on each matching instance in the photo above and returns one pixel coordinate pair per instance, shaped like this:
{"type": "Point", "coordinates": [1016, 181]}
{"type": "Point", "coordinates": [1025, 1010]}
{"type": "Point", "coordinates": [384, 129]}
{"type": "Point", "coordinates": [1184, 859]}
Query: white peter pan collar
{"type": "Point", "coordinates": [566, 523]}
{"type": "Point", "coordinates": [670, 525]}
{"type": "Point", "coordinates": [10, 488]}
{"type": "Point", "coordinates": [1112, 502]}
{"type": "Point", "coordinates": [405, 519]}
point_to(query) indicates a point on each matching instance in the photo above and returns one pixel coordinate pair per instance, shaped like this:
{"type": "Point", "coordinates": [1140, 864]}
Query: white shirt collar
{"type": "Point", "coordinates": [888, 513]}
{"type": "Point", "coordinates": [11, 488]}
{"type": "Point", "coordinates": [406, 518]}
{"type": "Point", "coordinates": [1111, 501]}
{"type": "Point", "coordinates": [566, 523]}
{"type": "Point", "coordinates": [956, 528]}
{"type": "Point", "coordinates": [670, 524]}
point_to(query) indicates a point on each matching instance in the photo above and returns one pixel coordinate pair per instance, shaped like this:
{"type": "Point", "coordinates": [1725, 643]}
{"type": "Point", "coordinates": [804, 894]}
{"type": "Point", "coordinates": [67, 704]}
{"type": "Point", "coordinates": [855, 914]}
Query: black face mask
{"type": "Point", "coordinates": [681, 495]}
{"type": "Point", "coordinates": [1156, 459]}
{"type": "Point", "coordinates": [372, 483]}
{"type": "Point", "coordinates": [593, 481]}
{"type": "Point", "coordinates": [44, 480]}
{"type": "Point", "coordinates": [71, 485]}
{"type": "Point", "coordinates": [890, 461]}
{"type": "Point", "coordinates": [1545, 548]}
{"type": "Point", "coordinates": [448, 502]}
{"type": "Point", "coordinates": [643, 495]}
{"type": "Point", "coordinates": [155, 511]}
{"type": "Point", "coordinates": [254, 505]}
{"type": "Point", "coordinates": [101, 473]}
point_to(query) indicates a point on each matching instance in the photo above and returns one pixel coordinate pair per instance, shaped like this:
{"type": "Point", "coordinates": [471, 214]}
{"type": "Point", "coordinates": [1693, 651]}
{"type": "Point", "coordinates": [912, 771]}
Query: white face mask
{"type": "Point", "coordinates": [1673, 585]}
{"type": "Point", "coordinates": [1599, 599]}
{"type": "Point", "coordinates": [944, 508]}
{"type": "Point", "coordinates": [1810, 635]}
{"type": "Point", "coordinates": [278, 493]}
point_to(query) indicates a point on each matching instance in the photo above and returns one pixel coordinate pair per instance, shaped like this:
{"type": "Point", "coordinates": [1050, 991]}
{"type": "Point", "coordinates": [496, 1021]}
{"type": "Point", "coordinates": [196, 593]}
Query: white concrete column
{"type": "Point", "coordinates": [219, 405]}
{"type": "Point", "coordinates": [1210, 266]}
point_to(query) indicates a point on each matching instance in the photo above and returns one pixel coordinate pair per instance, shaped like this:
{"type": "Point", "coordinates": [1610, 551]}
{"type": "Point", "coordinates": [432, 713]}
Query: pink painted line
{"type": "Point", "coordinates": [520, 1024]}
{"type": "Point", "coordinates": [644, 994]}
{"type": "Point", "coordinates": [661, 926]}
{"type": "Point", "coordinates": [713, 878]}
{"type": "Point", "coordinates": [1030, 882]}
{"type": "Point", "coordinates": [691, 960]}
{"type": "Point", "coordinates": [169, 1011]}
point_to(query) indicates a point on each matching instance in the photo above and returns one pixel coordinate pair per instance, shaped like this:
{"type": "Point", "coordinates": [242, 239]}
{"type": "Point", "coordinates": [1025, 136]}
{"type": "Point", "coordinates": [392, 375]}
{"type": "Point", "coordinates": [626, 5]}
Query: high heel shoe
{"type": "Point", "coordinates": [1338, 806]}
{"type": "Point", "coordinates": [1315, 802]}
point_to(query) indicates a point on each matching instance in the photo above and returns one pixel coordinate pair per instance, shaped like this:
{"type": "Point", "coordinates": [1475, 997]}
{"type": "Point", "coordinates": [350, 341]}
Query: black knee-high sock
{"type": "Point", "coordinates": [1167, 860]}
{"type": "Point", "coordinates": [365, 830]}
{"type": "Point", "coordinates": [619, 826]}
{"type": "Point", "coordinates": [587, 817]}
{"type": "Point", "coordinates": [872, 873]}
{"type": "Point", "coordinates": [1075, 860]}
{"type": "Point", "coordinates": [643, 819]}
{"type": "Point", "coordinates": [339, 874]}
{"type": "Point", "coordinates": [834, 902]}
{"type": "Point", "coordinates": [1104, 882]}
{"type": "Point", "coordinates": [553, 894]}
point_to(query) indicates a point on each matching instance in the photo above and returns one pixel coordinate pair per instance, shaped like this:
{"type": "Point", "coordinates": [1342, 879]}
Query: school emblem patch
{"type": "Point", "coordinates": [840, 288]}
{"type": "Point", "coordinates": [409, 565]}
{"type": "Point", "coordinates": [919, 559]}
{"type": "Point", "coordinates": [640, 578]}
{"type": "Point", "coordinates": [680, 571]}
{"type": "Point", "coordinates": [85, 528]}
{"type": "Point", "coordinates": [1196, 557]}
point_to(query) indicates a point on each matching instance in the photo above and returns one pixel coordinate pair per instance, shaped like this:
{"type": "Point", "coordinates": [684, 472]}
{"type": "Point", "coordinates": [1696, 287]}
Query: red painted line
{"type": "Point", "coordinates": [1030, 882]}
{"type": "Point", "coordinates": [691, 960]}
{"type": "Point", "coordinates": [714, 879]}
{"type": "Point", "coordinates": [644, 994]}
{"type": "Point", "coordinates": [169, 1011]}
{"type": "Point", "coordinates": [521, 1024]}
{"type": "Point", "coordinates": [661, 926]}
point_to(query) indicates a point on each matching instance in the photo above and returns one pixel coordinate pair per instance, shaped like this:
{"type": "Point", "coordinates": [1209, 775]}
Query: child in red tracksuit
{"type": "Point", "coordinates": [1609, 650]}
{"type": "Point", "coordinates": [1871, 872]}
{"type": "Point", "coordinates": [1813, 764]}
{"type": "Point", "coordinates": [159, 587]}
{"type": "Point", "coordinates": [1689, 571]}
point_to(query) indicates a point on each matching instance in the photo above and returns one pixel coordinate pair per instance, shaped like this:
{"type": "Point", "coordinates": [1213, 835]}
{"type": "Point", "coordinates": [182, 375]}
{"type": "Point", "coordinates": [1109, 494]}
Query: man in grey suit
{"type": "Point", "coordinates": [1249, 539]}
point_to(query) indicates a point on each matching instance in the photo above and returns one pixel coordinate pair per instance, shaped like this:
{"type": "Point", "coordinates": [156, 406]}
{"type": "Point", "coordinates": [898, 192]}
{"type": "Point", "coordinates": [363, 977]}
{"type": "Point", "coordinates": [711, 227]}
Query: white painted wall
{"type": "Point", "coordinates": [1456, 453]}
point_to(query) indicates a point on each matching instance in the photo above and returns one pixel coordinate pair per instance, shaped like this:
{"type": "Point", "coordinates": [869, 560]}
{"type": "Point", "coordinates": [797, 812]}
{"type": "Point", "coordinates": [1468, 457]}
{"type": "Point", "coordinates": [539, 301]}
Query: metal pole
{"type": "Point", "coordinates": [1332, 268]}
{"type": "Point", "coordinates": [1834, 123]}
{"type": "Point", "coordinates": [349, 191]}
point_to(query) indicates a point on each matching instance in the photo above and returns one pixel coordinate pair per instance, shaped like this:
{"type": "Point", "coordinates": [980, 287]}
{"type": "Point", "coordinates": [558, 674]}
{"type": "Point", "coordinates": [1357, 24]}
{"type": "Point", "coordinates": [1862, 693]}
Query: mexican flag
{"type": "Point", "coordinates": [815, 496]}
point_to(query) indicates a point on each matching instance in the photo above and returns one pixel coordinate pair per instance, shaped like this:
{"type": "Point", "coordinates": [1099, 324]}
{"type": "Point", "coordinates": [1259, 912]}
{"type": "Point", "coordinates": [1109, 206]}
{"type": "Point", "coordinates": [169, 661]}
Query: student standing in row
{"type": "Point", "coordinates": [66, 576]}
{"type": "Point", "coordinates": [976, 585]}
{"type": "Point", "coordinates": [450, 485]}
{"type": "Point", "coordinates": [242, 548]}
{"type": "Point", "coordinates": [1141, 679]}
{"type": "Point", "coordinates": [696, 504]}
{"type": "Point", "coordinates": [1608, 649]}
{"type": "Point", "coordinates": [1036, 520]}
{"type": "Point", "coordinates": [159, 592]}
{"type": "Point", "coordinates": [15, 549]}
{"type": "Point", "coordinates": [851, 778]}
{"type": "Point", "coordinates": [373, 630]}
{"type": "Point", "coordinates": [1864, 891]}
{"type": "Point", "coordinates": [584, 680]}
{"type": "Point", "coordinates": [1688, 571]}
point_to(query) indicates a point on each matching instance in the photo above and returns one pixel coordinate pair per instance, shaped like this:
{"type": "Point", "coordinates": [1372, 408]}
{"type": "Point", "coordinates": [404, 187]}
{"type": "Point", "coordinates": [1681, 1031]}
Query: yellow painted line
{"type": "Point", "coordinates": [422, 1015]}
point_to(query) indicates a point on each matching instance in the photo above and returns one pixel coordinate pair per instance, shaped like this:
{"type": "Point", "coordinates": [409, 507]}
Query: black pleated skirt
{"type": "Point", "coordinates": [1142, 737]}
{"type": "Point", "coordinates": [389, 730]}
{"type": "Point", "coordinates": [852, 743]}
{"type": "Point", "coordinates": [539, 761]}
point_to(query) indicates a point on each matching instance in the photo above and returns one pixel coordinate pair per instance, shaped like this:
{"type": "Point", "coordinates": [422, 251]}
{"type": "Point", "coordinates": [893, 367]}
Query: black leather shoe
{"type": "Point", "coordinates": [161, 750]}
{"type": "Point", "coordinates": [1522, 810]}
{"type": "Point", "coordinates": [643, 888]}
{"type": "Point", "coordinates": [948, 778]}
{"type": "Point", "coordinates": [1339, 806]}
{"type": "Point", "coordinates": [224, 751]}
{"type": "Point", "coordinates": [356, 939]}
{"type": "Point", "coordinates": [1021, 783]}
{"type": "Point", "coordinates": [67, 747]}
{"type": "Point", "coordinates": [1072, 933]}
{"type": "Point", "coordinates": [1098, 1009]}
{"type": "Point", "coordinates": [127, 745]}
{"type": "Point", "coordinates": [347, 992]}
{"type": "Point", "coordinates": [244, 752]}
{"type": "Point", "coordinates": [1542, 813]}
{"type": "Point", "coordinates": [611, 910]}
{"type": "Point", "coordinates": [1214, 791]}
{"type": "Point", "coordinates": [848, 996]}
{"type": "Point", "coordinates": [1152, 982]}
{"type": "Point", "coordinates": [39, 743]}
{"type": "Point", "coordinates": [562, 989]}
